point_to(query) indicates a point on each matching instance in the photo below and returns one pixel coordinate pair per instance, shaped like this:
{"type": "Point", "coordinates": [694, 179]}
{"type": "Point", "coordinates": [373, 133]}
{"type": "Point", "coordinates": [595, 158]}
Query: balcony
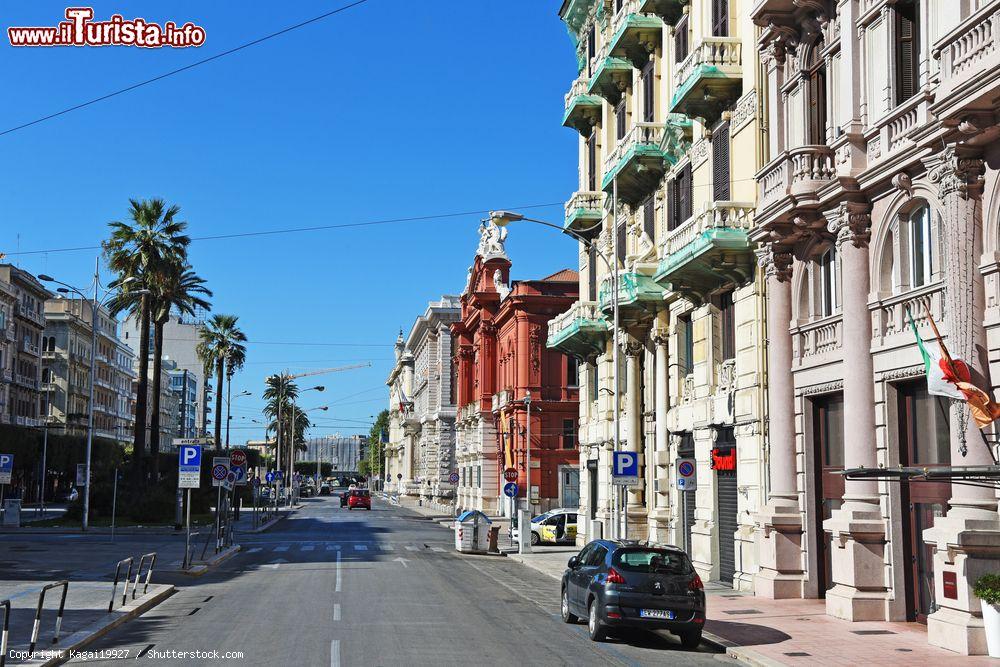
{"type": "Point", "coordinates": [707, 251]}
{"type": "Point", "coordinates": [29, 422]}
{"type": "Point", "coordinates": [670, 11]}
{"type": "Point", "coordinates": [637, 163]}
{"type": "Point", "coordinates": [970, 64]}
{"type": "Point", "coordinates": [30, 348]}
{"type": "Point", "coordinates": [9, 333]}
{"type": "Point", "coordinates": [6, 375]}
{"type": "Point", "coordinates": [799, 173]}
{"type": "Point", "coordinates": [819, 337]}
{"type": "Point", "coordinates": [25, 381]}
{"type": "Point", "coordinates": [890, 322]}
{"type": "Point", "coordinates": [611, 76]}
{"type": "Point", "coordinates": [501, 399]}
{"type": "Point", "coordinates": [639, 298]}
{"type": "Point", "coordinates": [581, 331]}
{"type": "Point", "coordinates": [709, 80]}
{"type": "Point", "coordinates": [634, 35]}
{"type": "Point", "coordinates": [31, 315]}
{"type": "Point", "coordinates": [584, 212]}
{"type": "Point", "coordinates": [583, 110]}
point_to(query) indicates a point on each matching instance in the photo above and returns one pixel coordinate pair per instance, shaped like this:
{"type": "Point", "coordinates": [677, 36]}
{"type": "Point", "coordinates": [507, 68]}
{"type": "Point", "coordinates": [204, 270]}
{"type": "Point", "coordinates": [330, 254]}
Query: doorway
{"type": "Point", "coordinates": [727, 501]}
{"type": "Point", "coordinates": [569, 486]}
{"type": "Point", "coordinates": [828, 449]}
{"type": "Point", "coordinates": [592, 489]}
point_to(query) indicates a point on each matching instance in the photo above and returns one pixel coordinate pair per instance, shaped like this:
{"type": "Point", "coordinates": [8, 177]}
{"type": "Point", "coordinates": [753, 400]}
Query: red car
{"type": "Point", "coordinates": [359, 498]}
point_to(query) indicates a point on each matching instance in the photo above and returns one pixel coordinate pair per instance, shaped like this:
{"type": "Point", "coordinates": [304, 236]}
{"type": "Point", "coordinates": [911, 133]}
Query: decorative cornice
{"type": "Point", "coordinates": [850, 222]}
{"type": "Point", "coordinates": [825, 388]}
{"type": "Point", "coordinates": [957, 170]}
{"type": "Point", "coordinates": [902, 373]}
{"type": "Point", "coordinates": [775, 259]}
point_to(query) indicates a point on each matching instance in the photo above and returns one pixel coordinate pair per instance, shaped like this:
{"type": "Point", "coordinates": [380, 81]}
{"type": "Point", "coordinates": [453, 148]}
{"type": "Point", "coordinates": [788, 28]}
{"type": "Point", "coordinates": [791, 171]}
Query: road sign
{"type": "Point", "coordinates": [81, 474]}
{"type": "Point", "coordinates": [687, 475]}
{"type": "Point", "coordinates": [229, 481]}
{"type": "Point", "coordinates": [189, 466]}
{"type": "Point", "coordinates": [191, 441]}
{"type": "Point", "coordinates": [6, 468]}
{"type": "Point", "coordinates": [453, 478]}
{"type": "Point", "coordinates": [240, 473]}
{"type": "Point", "coordinates": [238, 457]}
{"type": "Point", "coordinates": [510, 474]}
{"type": "Point", "coordinates": [510, 489]}
{"type": "Point", "coordinates": [399, 475]}
{"type": "Point", "coordinates": [625, 469]}
{"type": "Point", "coordinates": [279, 475]}
{"type": "Point", "coordinates": [218, 477]}
{"type": "Point", "coordinates": [269, 477]}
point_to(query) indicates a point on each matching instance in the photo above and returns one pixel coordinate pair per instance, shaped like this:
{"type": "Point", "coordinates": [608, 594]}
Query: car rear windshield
{"type": "Point", "coordinates": [360, 494]}
{"type": "Point", "coordinates": [661, 561]}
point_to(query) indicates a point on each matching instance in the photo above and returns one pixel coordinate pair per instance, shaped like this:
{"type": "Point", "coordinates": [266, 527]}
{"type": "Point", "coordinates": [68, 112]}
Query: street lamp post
{"type": "Point", "coordinates": [527, 457]}
{"type": "Point", "coordinates": [95, 304]}
{"type": "Point", "coordinates": [229, 401]}
{"type": "Point", "coordinates": [502, 219]}
{"type": "Point", "coordinates": [45, 443]}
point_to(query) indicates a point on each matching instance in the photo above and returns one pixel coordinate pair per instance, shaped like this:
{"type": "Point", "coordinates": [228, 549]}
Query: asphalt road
{"type": "Point", "coordinates": [380, 587]}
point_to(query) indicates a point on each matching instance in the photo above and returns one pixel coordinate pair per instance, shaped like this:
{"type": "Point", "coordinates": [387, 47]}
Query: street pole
{"type": "Point", "coordinates": [45, 445]}
{"type": "Point", "coordinates": [90, 392]}
{"type": "Point", "coordinates": [277, 459]}
{"type": "Point", "coordinates": [187, 530]}
{"type": "Point", "coordinates": [229, 401]}
{"type": "Point", "coordinates": [114, 505]}
{"type": "Point", "coordinates": [180, 494]}
{"type": "Point", "coordinates": [527, 458]}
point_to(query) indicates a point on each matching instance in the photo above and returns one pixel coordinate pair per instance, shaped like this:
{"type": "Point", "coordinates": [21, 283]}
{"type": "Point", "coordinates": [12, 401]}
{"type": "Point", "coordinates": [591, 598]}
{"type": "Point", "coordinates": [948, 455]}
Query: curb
{"type": "Point", "coordinates": [82, 638]}
{"type": "Point", "coordinates": [266, 526]}
{"type": "Point", "coordinates": [202, 567]}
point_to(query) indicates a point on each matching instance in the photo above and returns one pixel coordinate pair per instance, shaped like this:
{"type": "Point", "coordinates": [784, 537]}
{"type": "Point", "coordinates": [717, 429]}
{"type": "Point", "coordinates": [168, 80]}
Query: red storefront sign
{"type": "Point", "coordinates": [724, 458]}
{"type": "Point", "coordinates": [949, 586]}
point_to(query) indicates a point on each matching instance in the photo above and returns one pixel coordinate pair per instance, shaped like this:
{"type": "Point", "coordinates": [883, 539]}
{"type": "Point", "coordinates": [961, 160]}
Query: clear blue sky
{"type": "Point", "coordinates": [396, 108]}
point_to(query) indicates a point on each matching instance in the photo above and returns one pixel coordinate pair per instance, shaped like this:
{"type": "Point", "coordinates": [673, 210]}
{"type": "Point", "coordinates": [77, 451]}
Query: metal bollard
{"type": "Point", "coordinates": [38, 614]}
{"type": "Point", "coordinates": [149, 573]}
{"type": "Point", "coordinates": [6, 627]}
{"type": "Point", "coordinates": [114, 587]}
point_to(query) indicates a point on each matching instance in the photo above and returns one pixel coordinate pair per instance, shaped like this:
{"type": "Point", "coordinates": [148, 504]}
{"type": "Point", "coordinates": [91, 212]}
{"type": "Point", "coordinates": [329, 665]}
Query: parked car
{"type": "Point", "coordinates": [71, 496]}
{"type": "Point", "coordinates": [307, 490]}
{"type": "Point", "coordinates": [325, 489]}
{"type": "Point", "coordinates": [359, 498]}
{"type": "Point", "coordinates": [555, 526]}
{"type": "Point", "coordinates": [617, 583]}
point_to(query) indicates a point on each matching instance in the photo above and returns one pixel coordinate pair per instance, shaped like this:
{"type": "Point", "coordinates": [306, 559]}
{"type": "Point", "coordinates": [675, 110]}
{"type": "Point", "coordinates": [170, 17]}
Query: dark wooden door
{"type": "Point", "coordinates": [828, 442]}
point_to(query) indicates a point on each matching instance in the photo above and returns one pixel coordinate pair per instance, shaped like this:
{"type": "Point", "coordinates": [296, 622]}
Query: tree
{"type": "Point", "coordinates": [137, 250]}
{"type": "Point", "coordinates": [175, 288]}
{"type": "Point", "coordinates": [375, 446]}
{"type": "Point", "coordinates": [280, 395]}
{"type": "Point", "coordinates": [220, 339]}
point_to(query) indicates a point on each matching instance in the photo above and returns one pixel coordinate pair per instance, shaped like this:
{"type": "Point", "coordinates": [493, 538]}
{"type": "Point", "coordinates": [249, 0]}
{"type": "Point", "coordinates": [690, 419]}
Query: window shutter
{"type": "Point", "coordinates": [649, 217]}
{"type": "Point", "coordinates": [592, 272]}
{"type": "Point", "coordinates": [671, 205]}
{"type": "Point", "coordinates": [647, 92]}
{"type": "Point", "coordinates": [622, 228]}
{"type": "Point", "coordinates": [681, 40]}
{"type": "Point", "coordinates": [591, 48]}
{"type": "Point", "coordinates": [684, 195]}
{"type": "Point", "coordinates": [592, 161]}
{"type": "Point", "coordinates": [817, 107]}
{"type": "Point", "coordinates": [620, 119]}
{"type": "Point", "coordinates": [720, 18]}
{"type": "Point", "coordinates": [907, 50]}
{"type": "Point", "coordinates": [720, 163]}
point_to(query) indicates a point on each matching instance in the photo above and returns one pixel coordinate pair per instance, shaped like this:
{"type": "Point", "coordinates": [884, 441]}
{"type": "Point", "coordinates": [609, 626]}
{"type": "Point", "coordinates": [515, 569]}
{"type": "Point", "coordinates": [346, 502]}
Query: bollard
{"type": "Point", "coordinates": [114, 587]}
{"type": "Point", "coordinates": [149, 573]}
{"type": "Point", "coordinates": [38, 614]}
{"type": "Point", "coordinates": [6, 627]}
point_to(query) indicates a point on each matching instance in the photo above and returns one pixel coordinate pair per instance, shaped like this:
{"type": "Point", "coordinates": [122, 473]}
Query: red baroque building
{"type": "Point", "coordinates": [500, 356]}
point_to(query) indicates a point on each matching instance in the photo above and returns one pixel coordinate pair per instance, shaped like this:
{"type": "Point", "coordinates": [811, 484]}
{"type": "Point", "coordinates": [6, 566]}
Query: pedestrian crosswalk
{"type": "Point", "coordinates": [358, 548]}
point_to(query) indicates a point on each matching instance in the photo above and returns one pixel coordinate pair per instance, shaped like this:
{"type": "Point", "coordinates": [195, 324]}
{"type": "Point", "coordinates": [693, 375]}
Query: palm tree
{"type": "Point", "coordinates": [176, 288]}
{"type": "Point", "coordinates": [137, 249]}
{"type": "Point", "coordinates": [282, 391]}
{"type": "Point", "coordinates": [220, 340]}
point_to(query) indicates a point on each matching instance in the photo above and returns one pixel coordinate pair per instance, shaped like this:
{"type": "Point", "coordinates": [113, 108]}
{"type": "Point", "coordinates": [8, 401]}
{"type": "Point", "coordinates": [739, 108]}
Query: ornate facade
{"type": "Point", "coordinates": [21, 367]}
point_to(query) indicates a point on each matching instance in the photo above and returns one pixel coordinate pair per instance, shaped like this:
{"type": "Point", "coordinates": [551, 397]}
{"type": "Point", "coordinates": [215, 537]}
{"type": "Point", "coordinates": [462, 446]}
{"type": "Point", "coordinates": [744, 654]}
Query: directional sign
{"type": "Point", "coordinates": [219, 477]}
{"type": "Point", "coordinates": [687, 478]}
{"type": "Point", "coordinates": [510, 474]}
{"type": "Point", "coordinates": [189, 467]}
{"type": "Point", "coordinates": [510, 489]}
{"type": "Point", "coordinates": [453, 478]}
{"type": "Point", "coordinates": [6, 468]}
{"type": "Point", "coordinates": [269, 477]}
{"type": "Point", "coordinates": [240, 473]}
{"type": "Point", "coordinates": [625, 469]}
{"type": "Point", "coordinates": [279, 475]}
{"type": "Point", "coordinates": [238, 457]}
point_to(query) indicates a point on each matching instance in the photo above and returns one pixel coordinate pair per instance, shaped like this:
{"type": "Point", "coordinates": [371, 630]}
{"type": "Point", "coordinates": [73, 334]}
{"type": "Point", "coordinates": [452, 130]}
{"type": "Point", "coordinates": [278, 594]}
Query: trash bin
{"type": "Point", "coordinates": [12, 512]}
{"type": "Point", "coordinates": [472, 532]}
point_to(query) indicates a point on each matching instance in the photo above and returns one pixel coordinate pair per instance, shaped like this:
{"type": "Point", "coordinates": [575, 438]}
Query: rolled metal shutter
{"type": "Point", "coordinates": [728, 523]}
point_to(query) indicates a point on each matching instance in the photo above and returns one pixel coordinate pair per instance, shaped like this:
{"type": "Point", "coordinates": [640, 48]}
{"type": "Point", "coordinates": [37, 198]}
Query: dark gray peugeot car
{"type": "Point", "coordinates": [616, 584]}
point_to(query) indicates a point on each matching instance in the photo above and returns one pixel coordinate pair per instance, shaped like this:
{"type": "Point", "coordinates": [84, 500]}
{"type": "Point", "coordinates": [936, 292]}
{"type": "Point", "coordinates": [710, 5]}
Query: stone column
{"type": "Point", "coordinates": [858, 529]}
{"type": "Point", "coordinates": [661, 340]}
{"type": "Point", "coordinates": [633, 396]}
{"type": "Point", "coordinates": [779, 522]}
{"type": "Point", "coordinates": [967, 540]}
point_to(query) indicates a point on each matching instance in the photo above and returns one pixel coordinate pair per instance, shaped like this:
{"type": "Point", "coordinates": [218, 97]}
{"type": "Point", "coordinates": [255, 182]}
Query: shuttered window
{"type": "Point", "coordinates": [683, 187]}
{"type": "Point", "coordinates": [591, 49]}
{"type": "Point", "coordinates": [720, 163]}
{"type": "Point", "coordinates": [647, 93]}
{"type": "Point", "coordinates": [681, 40]}
{"type": "Point", "coordinates": [671, 205]}
{"type": "Point", "coordinates": [687, 344]}
{"type": "Point", "coordinates": [727, 315]}
{"type": "Point", "coordinates": [720, 18]}
{"type": "Point", "coordinates": [649, 217]}
{"type": "Point", "coordinates": [592, 161]}
{"type": "Point", "coordinates": [907, 49]}
{"type": "Point", "coordinates": [592, 272]}
{"type": "Point", "coordinates": [620, 115]}
{"type": "Point", "coordinates": [622, 227]}
{"type": "Point", "coordinates": [817, 106]}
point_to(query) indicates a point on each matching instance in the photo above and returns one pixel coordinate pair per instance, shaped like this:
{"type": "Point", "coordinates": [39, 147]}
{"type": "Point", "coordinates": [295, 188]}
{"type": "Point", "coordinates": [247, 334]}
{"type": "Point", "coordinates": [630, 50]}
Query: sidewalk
{"type": "Point", "coordinates": [769, 633]}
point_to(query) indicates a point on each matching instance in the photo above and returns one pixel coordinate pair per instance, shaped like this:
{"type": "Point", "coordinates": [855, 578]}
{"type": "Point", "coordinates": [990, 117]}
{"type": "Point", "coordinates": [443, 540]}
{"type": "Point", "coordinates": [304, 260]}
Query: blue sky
{"type": "Point", "coordinates": [396, 108]}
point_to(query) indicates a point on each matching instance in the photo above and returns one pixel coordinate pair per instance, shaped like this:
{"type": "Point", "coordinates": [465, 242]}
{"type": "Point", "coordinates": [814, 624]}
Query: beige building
{"type": "Point", "coordinates": [665, 101]}
{"type": "Point", "coordinates": [23, 355]}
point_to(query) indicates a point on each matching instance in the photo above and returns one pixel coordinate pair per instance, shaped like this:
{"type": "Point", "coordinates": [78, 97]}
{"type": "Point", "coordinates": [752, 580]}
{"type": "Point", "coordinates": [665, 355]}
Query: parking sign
{"type": "Point", "coordinates": [625, 469]}
{"type": "Point", "coordinates": [687, 475]}
{"type": "Point", "coordinates": [189, 466]}
{"type": "Point", "coordinates": [6, 468]}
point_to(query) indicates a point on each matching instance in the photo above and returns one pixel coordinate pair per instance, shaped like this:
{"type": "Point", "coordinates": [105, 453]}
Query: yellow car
{"type": "Point", "coordinates": [556, 528]}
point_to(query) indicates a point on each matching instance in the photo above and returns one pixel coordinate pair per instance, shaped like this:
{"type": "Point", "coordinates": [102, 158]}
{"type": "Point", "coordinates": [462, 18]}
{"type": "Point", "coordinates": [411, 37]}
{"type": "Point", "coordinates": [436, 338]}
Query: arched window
{"type": "Point", "coordinates": [920, 246]}
{"type": "Point", "coordinates": [816, 94]}
{"type": "Point", "coordinates": [829, 301]}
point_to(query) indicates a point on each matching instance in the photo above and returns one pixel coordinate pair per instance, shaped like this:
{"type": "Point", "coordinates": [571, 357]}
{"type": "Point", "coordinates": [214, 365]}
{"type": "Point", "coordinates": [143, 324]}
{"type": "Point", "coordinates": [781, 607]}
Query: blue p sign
{"type": "Point", "coordinates": [626, 464]}
{"type": "Point", "coordinates": [190, 455]}
{"type": "Point", "coordinates": [6, 462]}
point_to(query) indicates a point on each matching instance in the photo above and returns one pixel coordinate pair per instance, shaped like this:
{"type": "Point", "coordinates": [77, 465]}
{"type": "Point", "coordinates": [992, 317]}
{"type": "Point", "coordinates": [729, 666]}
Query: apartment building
{"type": "Point", "coordinates": [667, 108]}
{"type": "Point", "coordinates": [343, 453]}
{"type": "Point", "coordinates": [24, 405]}
{"type": "Point", "coordinates": [184, 385]}
{"type": "Point", "coordinates": [66, 345]}
{"type": "Point", "coordinates": [422, 409]}
{"type": "Point", "coordinates": [8, 343]}
{"type": "Point", "coordinates": [879, 203]}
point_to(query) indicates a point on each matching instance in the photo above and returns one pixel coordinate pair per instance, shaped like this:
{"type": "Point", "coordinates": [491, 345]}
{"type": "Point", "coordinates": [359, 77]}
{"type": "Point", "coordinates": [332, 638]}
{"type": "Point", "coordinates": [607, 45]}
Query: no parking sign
{"type": "Point", "coordinates": [687, 475]}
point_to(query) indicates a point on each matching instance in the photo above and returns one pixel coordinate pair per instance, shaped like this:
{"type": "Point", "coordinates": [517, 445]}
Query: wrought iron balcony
{"type": "Point", "coordinates": [637, 163]}
{"type": "Point", "coordinates": [583, 110]}
{"type": "Point", "coordinates": [710, 79]}
{"type": "Point", "coordinates": [707, 251]}
{"type": "Point", "coordinates": [584, 212]}
{"type": "Point", "coordinates": [670, 11]}
{"type": "Point", "coordinates": [634, 35]}
{"type": "Point", "coordinates": [639, 298]}
{"type": "Point", "coordinates": [970, 64]}
{"type": "Point", "coordinates": [581, 331]}
{"type": "Point", "coordinates": [610, 75]}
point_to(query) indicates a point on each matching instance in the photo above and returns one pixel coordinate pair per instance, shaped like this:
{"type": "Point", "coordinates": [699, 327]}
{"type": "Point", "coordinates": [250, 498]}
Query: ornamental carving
{"type": "Point", "coordinates": [536, 354]}
{"type": "Point", "coordinates": [826, 388]}
{"type": "Point", "coordinates": [699, 153]}
{"type": "Point", "coordinates": [958, 170]}
{"type": "Point", "coordinates": [902, 373]}
{"type": "Point", "coordinates": [775, 260]}
{"type": "Point", "coordinates": [491, 241]}
{"type": "Point", "coordinates": [746, 109]}
{"type": "Point", "coordinates": [851, 222]}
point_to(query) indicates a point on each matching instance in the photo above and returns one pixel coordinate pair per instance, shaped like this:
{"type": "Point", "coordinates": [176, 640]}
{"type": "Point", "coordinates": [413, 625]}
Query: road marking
{"type": "Point", "coordinates": [254, 550]}
{"type": "Point", "coordinates": [387, 547]}
{"type": "Point", "coordinates": [338, 573]}
{"type": "Point", "coordinates": [357, 547]}
{"type": "Point", "coordinates": [336, 611]}
{"type": "Point", "coordinates": [308, 547]}
{"type": "Point", "coordinates": [281, 548]}
{"type": "Point", "coordinates": [410, 547]}
{"type": "Point", "coordinates": [334, 652]}
{"type": "Point", "coordinates": [332, 547]}
{"type": "Point", "coordinates": [437, 549]}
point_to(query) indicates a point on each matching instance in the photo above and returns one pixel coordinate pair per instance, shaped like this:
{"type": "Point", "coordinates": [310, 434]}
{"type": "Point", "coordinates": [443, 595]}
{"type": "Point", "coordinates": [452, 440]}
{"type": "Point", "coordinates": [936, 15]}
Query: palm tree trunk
{"type": "Point", "coordinates": [219, 376]}
{"type": "Point", "coordinates": [142, 391]}
{"type": "Point", "coordinates": [154, 418]}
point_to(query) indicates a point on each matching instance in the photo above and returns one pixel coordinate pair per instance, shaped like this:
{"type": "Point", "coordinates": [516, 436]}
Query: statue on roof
{"type": "Point", "coordinates": [491, 241]}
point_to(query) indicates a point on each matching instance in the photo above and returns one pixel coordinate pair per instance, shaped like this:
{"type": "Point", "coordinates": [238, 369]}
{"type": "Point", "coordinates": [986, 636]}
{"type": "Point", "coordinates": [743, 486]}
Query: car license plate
{"type": "Point", "coordinates": [656, 613]}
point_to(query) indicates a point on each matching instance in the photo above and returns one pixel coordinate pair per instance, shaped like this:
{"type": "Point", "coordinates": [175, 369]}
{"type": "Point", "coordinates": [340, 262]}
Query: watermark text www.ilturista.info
{"type": "Point", "coordinates": [79, 29]}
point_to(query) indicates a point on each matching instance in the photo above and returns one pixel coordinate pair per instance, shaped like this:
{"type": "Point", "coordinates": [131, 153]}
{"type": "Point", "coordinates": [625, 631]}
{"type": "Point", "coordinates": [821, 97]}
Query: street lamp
{"type": "Point", "coordinates": [504, 218]}
{"type": "Point", "coordinates": [229, 417]}
{"type": "Point", "coordinates": [97, 302]}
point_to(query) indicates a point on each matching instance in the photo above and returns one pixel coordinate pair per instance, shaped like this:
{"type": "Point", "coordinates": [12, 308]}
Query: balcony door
{"type": "Point", "coordinates": [828, 449]}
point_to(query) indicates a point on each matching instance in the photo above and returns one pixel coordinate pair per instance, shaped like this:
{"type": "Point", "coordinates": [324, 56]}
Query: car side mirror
{"type": "Point", "coordinates": [573, 562]}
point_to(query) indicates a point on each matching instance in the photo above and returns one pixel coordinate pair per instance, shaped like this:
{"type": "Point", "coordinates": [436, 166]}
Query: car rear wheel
{"type": "Point", "coordinates": [690, 638]}
{"type": "Point", "coordinates": [597, 631]}
{"type": "Point", "coordinates": [567, 617]}
{"type": "Point", "coordinates": [535, 539]}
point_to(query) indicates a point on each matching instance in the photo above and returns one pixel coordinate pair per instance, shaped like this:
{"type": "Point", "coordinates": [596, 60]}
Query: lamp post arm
{"type": "Point", "coordinates": [579, 237]}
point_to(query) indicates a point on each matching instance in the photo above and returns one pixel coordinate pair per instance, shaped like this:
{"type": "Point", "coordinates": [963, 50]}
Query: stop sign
{"type": "Point", "coordinates": [238, 457]}
{"type": "Point", "coordinates": [510, 474]}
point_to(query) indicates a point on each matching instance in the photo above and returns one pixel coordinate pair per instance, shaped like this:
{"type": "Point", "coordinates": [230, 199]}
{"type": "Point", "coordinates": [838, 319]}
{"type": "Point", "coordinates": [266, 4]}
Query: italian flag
{"type": "Point", "coordinates": [951, 377]}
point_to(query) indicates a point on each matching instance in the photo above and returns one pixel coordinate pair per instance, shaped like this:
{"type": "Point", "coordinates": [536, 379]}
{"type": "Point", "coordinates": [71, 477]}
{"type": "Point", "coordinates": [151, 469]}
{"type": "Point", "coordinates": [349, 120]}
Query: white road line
{"type": "Point", "coordinates": [332, 547]}
{"type": "Point", "coordinates": [281, 548]}
{"type": "Point", "coordinates": [338, 572]}
{"type": "Point", "coordinates": [437, 549]}
{"type": "Point", "coordinates": [308, 547]}
{"type": "Point", "coordinates": [387, 547]}
{"type": "Point", "coordinates": [254, 550]}
{"type": "Point", "coordinates": [335, 653]}
{"type": "Point", "coordinates": [357, 547]}
{"type": "Point", "coordinates": [336, 611]}
{"type": "Point", "coordinates": [410, 547]}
